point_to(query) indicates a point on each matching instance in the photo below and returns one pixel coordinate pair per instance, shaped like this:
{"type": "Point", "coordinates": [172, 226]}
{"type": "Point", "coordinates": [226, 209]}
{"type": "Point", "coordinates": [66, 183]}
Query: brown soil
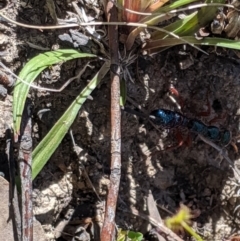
{"type": "Point", "coordinates": [194, 174]}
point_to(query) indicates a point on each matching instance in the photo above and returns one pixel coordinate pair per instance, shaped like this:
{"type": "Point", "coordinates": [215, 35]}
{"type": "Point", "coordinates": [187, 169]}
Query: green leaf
{"type": "Point", "coordinates": [162, 12]}
{"type": "Point", "coordinates": [174, 5]}
{"type": "Point", "coordinates": [31, 70]}
{"type": "Point", "coordinates": [51, 141]}
{"type": "Point", "coordinates": [129, 236]}
{"type": "Point", "coordinates": [158, 45]}
{"type": "Point", "coordinates": [135, 236]}
{"type": "Point", "coordinates": [183, 27]}
{"type": "Point", "coordinates": [121, 235]}
{"type": "Point", "coordinates": [123, 92]}
{"type": "Point", "coordinates": [191, 24]}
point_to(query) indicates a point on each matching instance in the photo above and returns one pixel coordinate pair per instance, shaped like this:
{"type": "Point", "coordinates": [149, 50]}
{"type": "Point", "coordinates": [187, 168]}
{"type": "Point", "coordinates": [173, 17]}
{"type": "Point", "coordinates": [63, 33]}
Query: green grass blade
{"type": "Point", "coordinates": [157, 45]}
{"type": "Point", "coordinates": [151, 20]}
{"type": "Point", "coordinates": [51, 141]}
{"type": "Point", "coordinates": [174, 5]}
{"type": "Point", "coordinates": [190, 24]}
{"type": "Point", "coordinates": [123, 92]}
{"type": "Point", "coordinates": [183, 27]}
{"type": "Point", "coordinates": [31, 70]}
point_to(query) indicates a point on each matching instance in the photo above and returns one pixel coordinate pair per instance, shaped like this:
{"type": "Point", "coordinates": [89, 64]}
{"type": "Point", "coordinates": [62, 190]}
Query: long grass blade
{"type": "Point", "coordinates": [190, 24]}
{"type": "Point", "coordinates": [157, 45]}
{"type": "Point", "coordinates": [31, 70]}
{"type": "Point", "coordinates": [51, 141]}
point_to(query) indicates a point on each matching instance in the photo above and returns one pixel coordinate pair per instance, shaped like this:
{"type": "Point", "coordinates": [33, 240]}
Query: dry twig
{"type": "Point", "coordinates": [25, 161]}
{"type": "Point", "coordinates": [108, 233]}
{"type": "Point", "coordinates": [14, 204]}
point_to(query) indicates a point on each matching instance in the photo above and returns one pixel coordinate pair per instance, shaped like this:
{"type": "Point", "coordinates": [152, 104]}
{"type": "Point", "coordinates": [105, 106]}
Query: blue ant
{"type": "Point", "coordinates": [169, 119]}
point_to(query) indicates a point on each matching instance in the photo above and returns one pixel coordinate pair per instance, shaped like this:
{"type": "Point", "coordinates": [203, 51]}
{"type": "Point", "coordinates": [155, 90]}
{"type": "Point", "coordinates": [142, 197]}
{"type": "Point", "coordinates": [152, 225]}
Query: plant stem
{"type": "Point", "coordinates": [108, 231]}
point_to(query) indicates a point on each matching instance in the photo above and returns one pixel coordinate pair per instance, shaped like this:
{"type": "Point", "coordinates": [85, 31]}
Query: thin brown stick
{"type": "Point", "coordinates": [107, 233]}
{"type": "Point", "coordinates": [25, 161]}
{"type": "Point", "coordinates": [13, 196]}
